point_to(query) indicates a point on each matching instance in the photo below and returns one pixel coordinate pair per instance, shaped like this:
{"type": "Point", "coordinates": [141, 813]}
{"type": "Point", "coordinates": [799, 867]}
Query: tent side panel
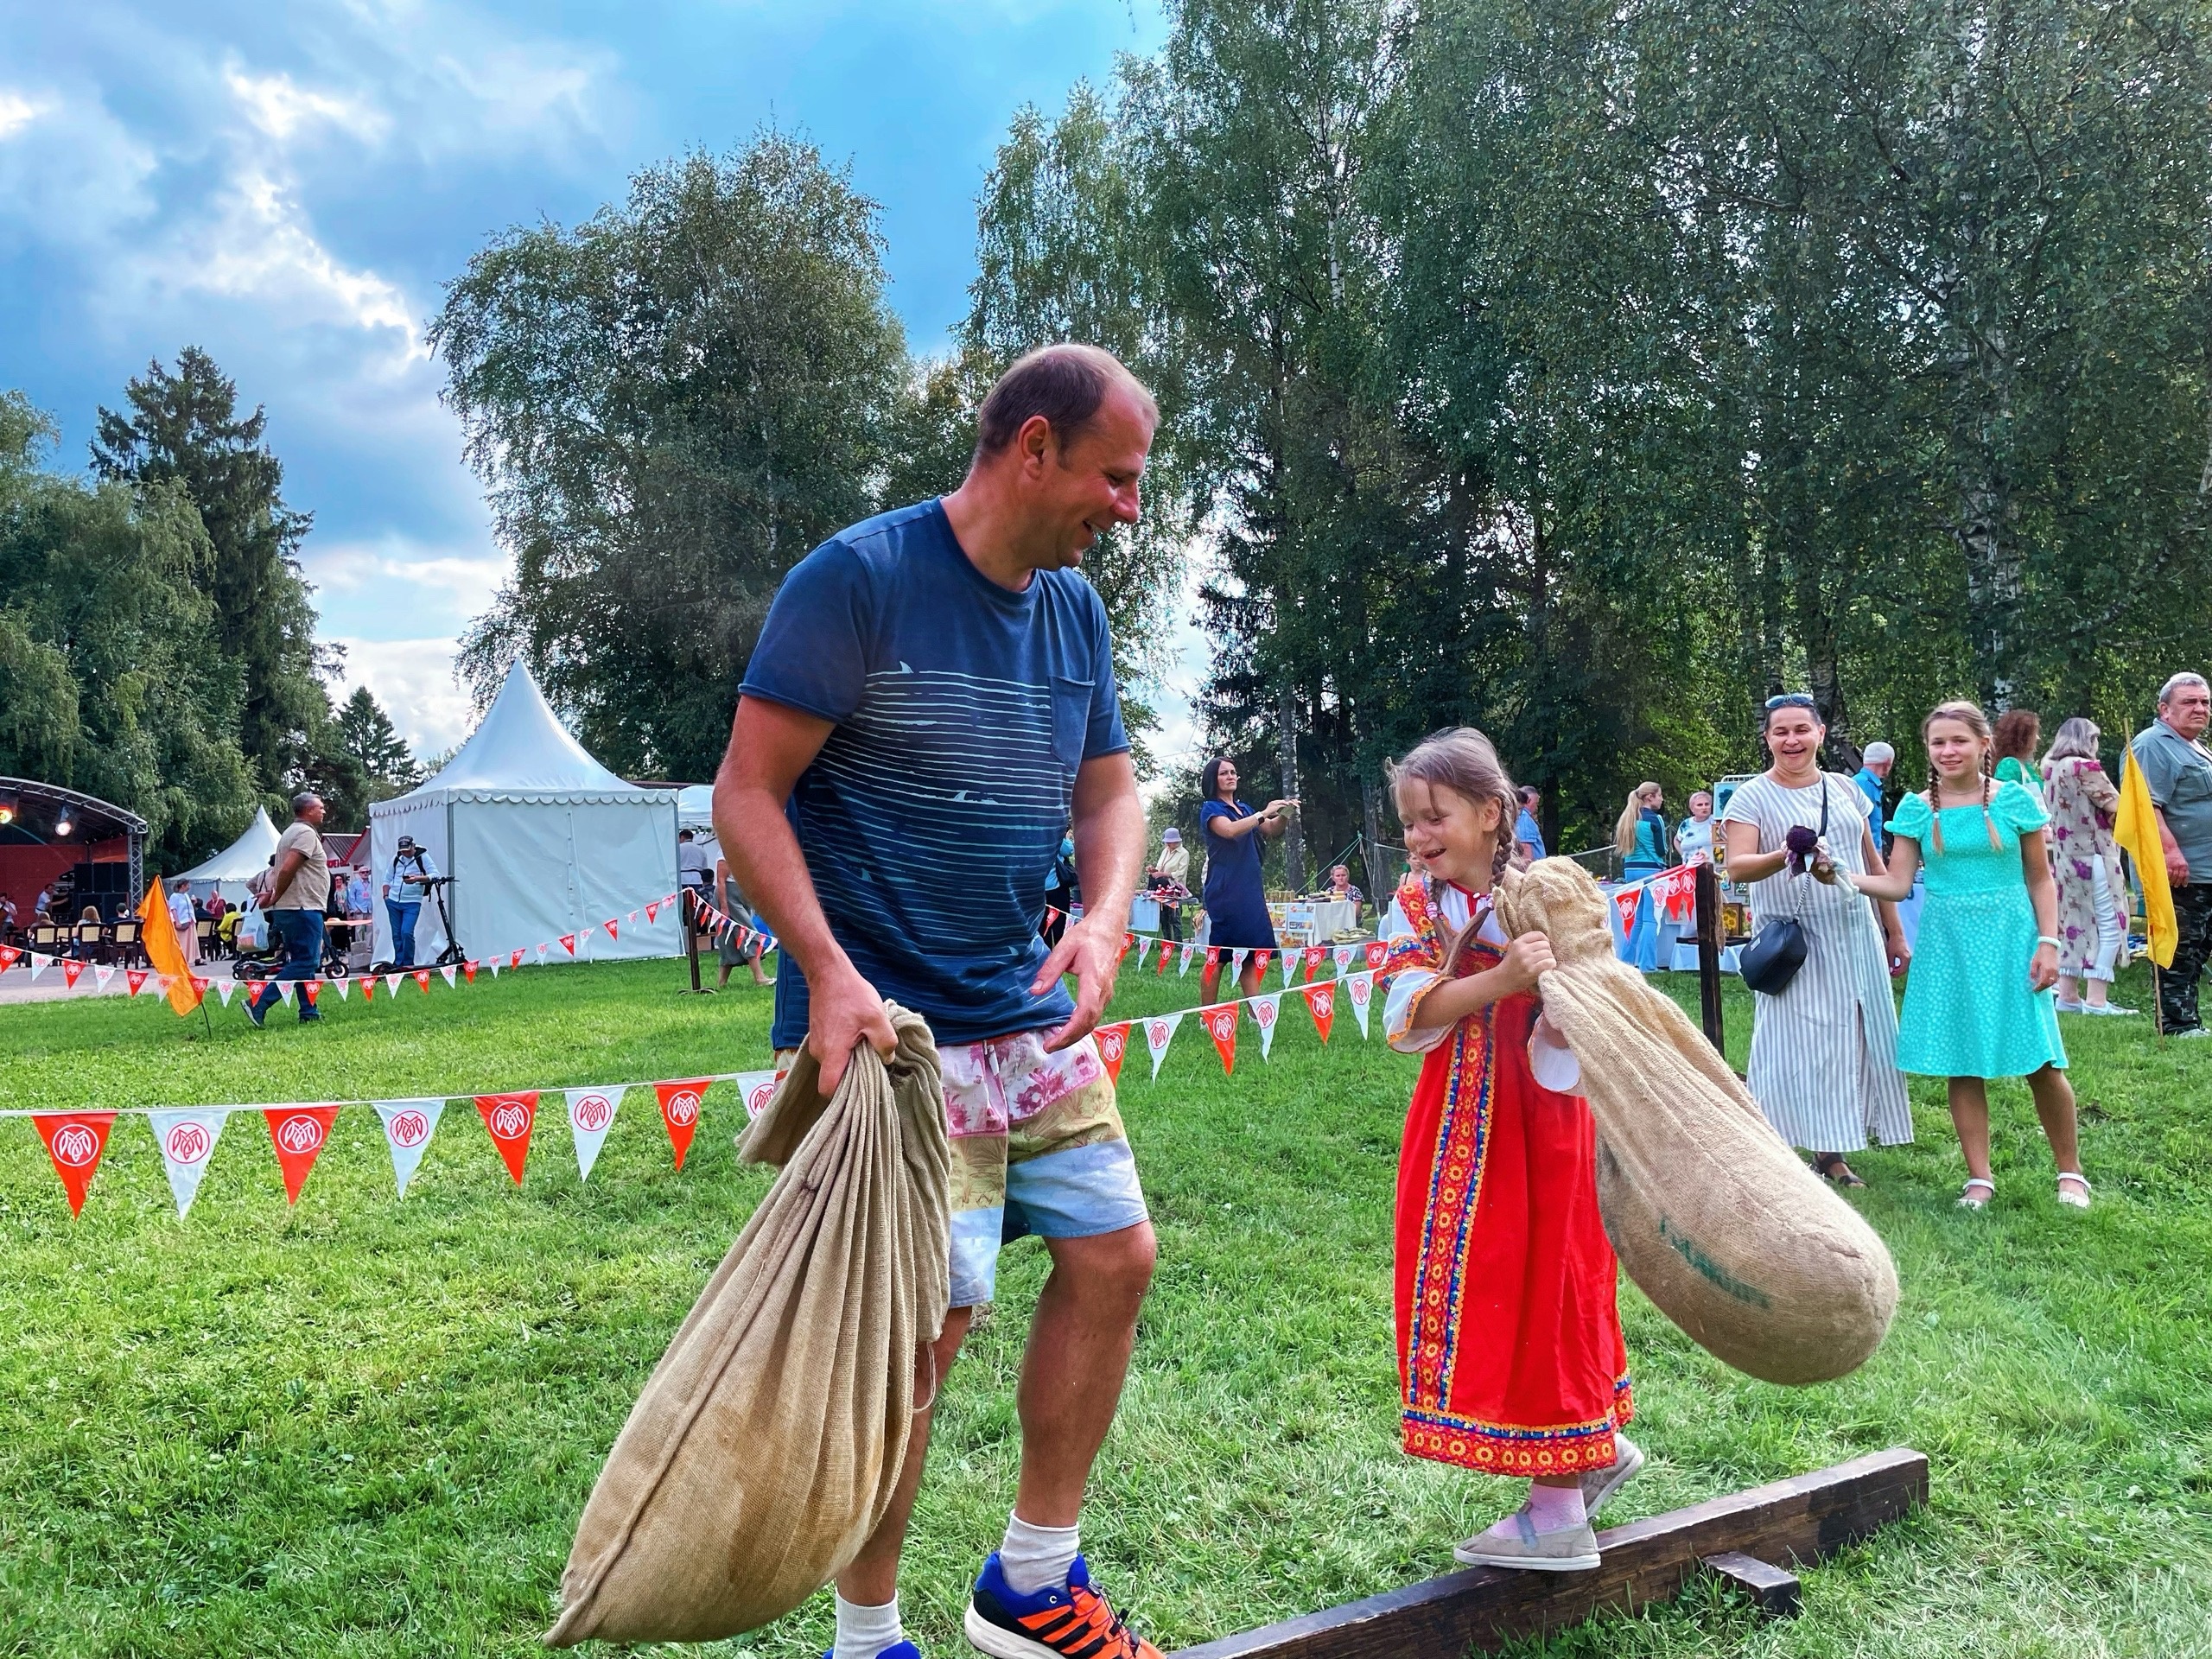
{"type": "Point", "coordinates": [421, 815]}
{"type": "Point", "coordinates": [527, 872]}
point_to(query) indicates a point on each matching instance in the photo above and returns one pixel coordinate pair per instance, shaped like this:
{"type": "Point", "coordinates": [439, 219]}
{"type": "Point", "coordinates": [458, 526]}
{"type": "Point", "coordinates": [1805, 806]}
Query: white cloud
{"type": "Point", "coordinates": [17, 113]}
{"type": "Point", "coordinates": [280, 109]}
{"type": "Point", "coordinates": [397, 581]}
{"type": "Point", "coordinates": [414, 681]}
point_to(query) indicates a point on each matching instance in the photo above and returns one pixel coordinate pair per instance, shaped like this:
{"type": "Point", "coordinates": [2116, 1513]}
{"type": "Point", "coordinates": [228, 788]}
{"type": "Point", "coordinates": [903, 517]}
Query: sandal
{"type": "Point", "coordinates": [1830, 1166]}
{"type": "Point", "coordinates": [2072, 1200]}
{"type": "Point", "coordinates": [1969, 1201]}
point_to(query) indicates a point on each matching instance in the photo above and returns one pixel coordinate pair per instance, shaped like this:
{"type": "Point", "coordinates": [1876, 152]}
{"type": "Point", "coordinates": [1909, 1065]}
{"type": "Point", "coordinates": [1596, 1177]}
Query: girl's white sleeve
{"type": "Point", "coordinates": [1403, 992]}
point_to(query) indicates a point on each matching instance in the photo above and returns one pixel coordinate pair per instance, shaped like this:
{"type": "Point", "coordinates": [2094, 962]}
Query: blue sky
{"type": "Point", "coordinates": [289, 186]}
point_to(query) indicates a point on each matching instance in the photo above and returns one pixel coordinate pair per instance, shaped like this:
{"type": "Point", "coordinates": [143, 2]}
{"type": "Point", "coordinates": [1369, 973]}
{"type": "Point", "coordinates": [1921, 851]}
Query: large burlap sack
{"type": "Point", "coordinates": [765, 1446]}
{"type": "Point", "coordinates": [1715, 1218]}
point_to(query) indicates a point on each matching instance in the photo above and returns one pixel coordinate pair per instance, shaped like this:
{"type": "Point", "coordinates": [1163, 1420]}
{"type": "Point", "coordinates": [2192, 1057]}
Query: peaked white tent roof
{"type": "Point", "coordinates": [241, 861]}
{"type": "Point", "coordinates": [522, 752]}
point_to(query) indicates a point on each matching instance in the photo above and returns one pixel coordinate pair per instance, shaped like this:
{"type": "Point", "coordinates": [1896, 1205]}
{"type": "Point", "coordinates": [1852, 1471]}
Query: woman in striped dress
{"type": "Point", "coordinates": [1824, 1053]}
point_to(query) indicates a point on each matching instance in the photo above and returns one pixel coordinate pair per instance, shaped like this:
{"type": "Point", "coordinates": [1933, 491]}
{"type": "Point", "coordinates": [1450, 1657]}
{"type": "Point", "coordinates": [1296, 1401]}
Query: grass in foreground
{"type": "Point", "coordinates": [366, 1427]}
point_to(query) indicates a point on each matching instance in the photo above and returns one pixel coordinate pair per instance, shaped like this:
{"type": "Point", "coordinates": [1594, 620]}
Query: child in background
{"type": "Point", "coordinates": [1979, 1003]}
{"type": "Point", "coordinates": [1509, 1351]}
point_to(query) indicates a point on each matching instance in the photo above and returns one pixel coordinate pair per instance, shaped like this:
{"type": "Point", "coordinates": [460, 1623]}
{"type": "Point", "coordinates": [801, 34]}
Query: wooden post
{"type": "Point", "coordinates": [1806, 1519]}
{"type": "Point", "coordinates": [1708, 956]}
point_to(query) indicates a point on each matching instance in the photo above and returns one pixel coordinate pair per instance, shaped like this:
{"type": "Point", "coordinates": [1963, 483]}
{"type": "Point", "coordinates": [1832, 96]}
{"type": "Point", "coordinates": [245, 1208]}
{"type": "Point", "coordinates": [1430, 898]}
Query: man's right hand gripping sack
{"type": "Point", "coordinates": [765, 1446]}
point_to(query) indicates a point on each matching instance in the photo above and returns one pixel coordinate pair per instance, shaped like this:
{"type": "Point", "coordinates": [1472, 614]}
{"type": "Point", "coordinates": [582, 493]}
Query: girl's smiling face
{"type": "Point", "coordinates": [1455, 838]}
{"type": "Point", "coordinates": [1955, 750]}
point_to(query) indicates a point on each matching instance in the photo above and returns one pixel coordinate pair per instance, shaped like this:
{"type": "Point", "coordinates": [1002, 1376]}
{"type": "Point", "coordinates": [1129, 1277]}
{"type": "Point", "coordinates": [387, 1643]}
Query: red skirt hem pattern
{"type": "Point", "coordinates": [1510, 1351]}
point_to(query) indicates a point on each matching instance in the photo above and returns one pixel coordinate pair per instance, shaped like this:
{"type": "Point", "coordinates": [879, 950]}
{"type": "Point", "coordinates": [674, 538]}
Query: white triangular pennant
{"type": "Point", "coordinates": [1237, 964]}
{"type": "Point", "coordinates": [1144, 947]}
{"type": "Point", "coordinates": [449, 971]}
{"type": "Point", "coordinates": [1266, 1010]}
{"type": "Point", "coordinates": [1341, 956]}
{"type": "Point", "coordinates": [1292, 957]}
{"type": "Point", "coordinates": [343, 987]}
{"type": "Point", "coordinates": [187, 1140]}
{"type": "Point", "coordinates": [755, 1089]}
{"type": "Point", "coordinates": [391, 983]}
{"type": "Point", "coordinates": [1183, 968]}
{"type": "Point", "coordinates": [407, 1126]}
{"type": "Point", "coordinates": [542, 949]}
{"type": "Point", "coordinates": [284, 991]}
{"type": "Point", "coordinates": [39, 965]}
{"type": "Point", "coordinates": [227, 989]}
{"type": "Point", "coordinates": [495, 967]}
{"type": "Point", "coordinates": [1159, 1031]}
{"type": "Point", "coordinates": [591, 1114]}
{"type": "Point", "coordinates": [1360, 988]}
{"type": "Point", "coordinates": [101, 974]}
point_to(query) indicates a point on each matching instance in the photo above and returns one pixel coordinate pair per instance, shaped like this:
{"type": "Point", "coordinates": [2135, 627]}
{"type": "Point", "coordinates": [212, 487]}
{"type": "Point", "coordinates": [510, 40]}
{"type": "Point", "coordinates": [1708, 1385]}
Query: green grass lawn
{"type": "Point", "coordinates": [366, 1427]}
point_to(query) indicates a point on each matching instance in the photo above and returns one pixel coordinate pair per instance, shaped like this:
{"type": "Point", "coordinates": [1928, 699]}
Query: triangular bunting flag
{"type": "Point", "coordinates": [74, 1141]}
{"type": "Point", "coordinates": [510, 1118]}
{"type": "Point", "coordinates": [449, 973]}
{"type": "Point", "coordinates": [1159, 1031]}
{"type": "Point", "coordinates": [1187, 953]}
{"type": "Point", "coordinates": [102, 974]}
{"type": "Point", "coordinates": [652, 912]}
{"type": "Point", "coordinates": [407, 1126]}
{"type": "Point", "coordinates": [1266, 1010]}
{"type": "Point", "coordinates": [494, 964]}
{"type": "Point", "coordinates": [1315, 956]}
{"type": "Point", "coordinates": [311, 989]}
{"type": "Point", "coordinates": [755, 1089]}
{"type": "Point", "coordinates": [1166, 951]}
{"type": "Point", "coordinates": [1321, 1001]}
{"type": "Point", "coordinates": [611, 932]}
{"type": "Point", "coordinates": [468, 971]}
{"type": "Point", "coordinates": [39, 965]}
{"type": "Point", "coordinates": [1290, 960]}
{"type": "Point", "coordinates": [392, 982]}
{"type": "Point", "coordinates": [9, 957]}
{"type": "Point", "coordinates": [679, 1113]}
{"type": "Point", "coordinates": [1361, 987]}
{"type": "Point", "coordinates": [543, 948]}
{"type": "Point", "coordinates": [136, 978]}
{"type": "Point", "coordinates": [284, 991]}
{"type": "Point", "coordinates": [227, 989]}
{"type": "Point", "coordinates": [187, 1140]}
{"type": "Point", "coordinates": [1113, 1047]}
{"type": "Point", "coordinates": [1342, 955]}
{"type": "Point", "coordinates": [254, 987]}
{"type": "Point", "coordinates": [634, 915]}
{"type": "Point", "coordinates": [422, 977]}
{"type": "Point", "coordinates": [514, 956]}
{"type": "Point", "coordinates": [369, 988]}
{"type": "Point", "coordinates": [1624, 902]}
{"type": "Point", "coordinates": [1213, 959]}
{"type": "Point", "coordinates": [591, 1114]}
{"type": "Point", "coordinates": [299, 1133]}
{"type": "Point", "coordinates": [1220, 1021]}
{"type": "Point", "coordinates": [1237, 964]}
{"type": "Point", "coordinates": [569, 942]}
{"type": "Point", "coordinates": [1375, 952]}
{"type": "Point", "coordinates": [343, 987]}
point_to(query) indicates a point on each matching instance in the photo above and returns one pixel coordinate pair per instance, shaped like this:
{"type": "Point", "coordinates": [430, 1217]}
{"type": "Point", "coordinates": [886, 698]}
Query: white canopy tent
{"type": "Point", "coordinates": [540, 840]}
{"type": "Point", "coordinates": [229, 871]}
{"type": "Point", "coordinates": [694, 811]}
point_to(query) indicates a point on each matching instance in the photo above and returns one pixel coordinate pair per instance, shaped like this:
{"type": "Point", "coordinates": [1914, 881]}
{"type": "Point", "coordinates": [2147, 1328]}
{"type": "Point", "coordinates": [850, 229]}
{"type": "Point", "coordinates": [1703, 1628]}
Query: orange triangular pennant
{"type": "Point", "coordinates": [1321, 1001]}
{"type": "Point", "coordinates": [75, 1142]}
{"type": "Point", "coordinates": [510, 1118]}
{"type": "Point", "coordinates": [1113, 1046]}
{"type": "Point", "coordinates": [679, 1112]}
{"type": "Point", "coordinates": [1220, 1022]}
{"type": "Point", "coordinates": [299, 1133]}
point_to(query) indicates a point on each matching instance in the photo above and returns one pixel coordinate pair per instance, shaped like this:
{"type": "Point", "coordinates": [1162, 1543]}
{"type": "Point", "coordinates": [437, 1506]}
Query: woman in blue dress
{"type": "Point", "coordinates": [1235, 902]}
{"type": "Point", "coordinates": [1641, 835]}
{"type": "Point", "coordinates": [1979, 1003]}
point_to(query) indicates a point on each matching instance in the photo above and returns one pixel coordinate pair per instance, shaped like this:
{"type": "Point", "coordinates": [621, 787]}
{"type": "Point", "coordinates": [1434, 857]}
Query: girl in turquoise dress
{"type": "Point", "coordinates": [1978, 1003]}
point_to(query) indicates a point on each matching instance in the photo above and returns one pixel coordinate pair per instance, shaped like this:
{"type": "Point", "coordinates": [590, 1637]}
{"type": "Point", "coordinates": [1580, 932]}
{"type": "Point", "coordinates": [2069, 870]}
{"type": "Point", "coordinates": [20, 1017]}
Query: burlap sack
{"type": "Point", "coordinates": [1718, 1222]}
{"type": "Point", "coordinates": [765, 1445]}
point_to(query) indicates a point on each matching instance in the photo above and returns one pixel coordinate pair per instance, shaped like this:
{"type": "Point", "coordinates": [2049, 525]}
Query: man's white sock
{"type": "Point", "coordinates": [863, 1632]}
{"type": "Point", "coordinates": [1036, 1558]}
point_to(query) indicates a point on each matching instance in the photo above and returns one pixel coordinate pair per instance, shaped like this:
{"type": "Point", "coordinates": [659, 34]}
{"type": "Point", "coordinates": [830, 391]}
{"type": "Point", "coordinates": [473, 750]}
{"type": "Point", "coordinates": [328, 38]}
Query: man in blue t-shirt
{"type": "Point", "coordinates": [930, 705]}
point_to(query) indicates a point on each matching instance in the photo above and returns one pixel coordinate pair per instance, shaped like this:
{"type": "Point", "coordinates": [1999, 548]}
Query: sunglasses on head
{"type": "Point", "coordinates": [1790, 700]}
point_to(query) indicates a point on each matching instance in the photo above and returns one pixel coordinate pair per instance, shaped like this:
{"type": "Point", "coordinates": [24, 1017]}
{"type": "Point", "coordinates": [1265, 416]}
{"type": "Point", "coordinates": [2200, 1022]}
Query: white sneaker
{"type": "Point", "coordinates": [1571, 1549]}
{"type": "Point", "coordinates": [1601, 1484]}
{"type": "Point", "coordinates": [2112, 1008]}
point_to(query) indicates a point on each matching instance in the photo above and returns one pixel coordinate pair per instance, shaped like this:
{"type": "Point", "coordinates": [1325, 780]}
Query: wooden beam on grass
{"type": "Point", "coordinates": [1805, 1518]}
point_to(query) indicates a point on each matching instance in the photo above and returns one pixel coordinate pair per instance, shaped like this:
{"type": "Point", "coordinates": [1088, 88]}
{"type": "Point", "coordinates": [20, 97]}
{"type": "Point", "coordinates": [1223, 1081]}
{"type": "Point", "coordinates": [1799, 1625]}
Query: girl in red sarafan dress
{"type": "Point", "coordinates": [1510, 1352]}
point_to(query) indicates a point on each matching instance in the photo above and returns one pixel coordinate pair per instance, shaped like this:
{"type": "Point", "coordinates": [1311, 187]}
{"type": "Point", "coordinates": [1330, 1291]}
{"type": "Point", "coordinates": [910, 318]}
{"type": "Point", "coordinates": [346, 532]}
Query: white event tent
{"type": "Point", "coordinates": [237, 864]}
{"type": "Point", "coordinates": [540, 840]}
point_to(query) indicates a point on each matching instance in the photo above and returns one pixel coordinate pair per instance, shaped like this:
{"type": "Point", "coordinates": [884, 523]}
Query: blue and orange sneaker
{"type": "Point", "coordinates": [896, 1650]}
{"type": "Point", "coordinates": [1070, 1622]}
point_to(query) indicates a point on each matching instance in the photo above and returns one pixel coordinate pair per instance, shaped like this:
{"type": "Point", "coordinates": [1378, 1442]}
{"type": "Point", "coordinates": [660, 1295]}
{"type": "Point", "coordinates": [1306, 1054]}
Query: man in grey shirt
{"type": "Point", "coordinates": [2178, 769]}
{"type": "Point", "coordinates": [299, 890]}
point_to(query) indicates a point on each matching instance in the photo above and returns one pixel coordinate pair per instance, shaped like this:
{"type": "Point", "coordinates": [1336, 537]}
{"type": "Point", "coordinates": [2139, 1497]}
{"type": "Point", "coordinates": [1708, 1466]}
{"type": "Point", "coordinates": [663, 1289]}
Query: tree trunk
{"type": "Point", "coordinates": [1293, 841]}
{"type": "Point", "coordinates": [1379, 884]}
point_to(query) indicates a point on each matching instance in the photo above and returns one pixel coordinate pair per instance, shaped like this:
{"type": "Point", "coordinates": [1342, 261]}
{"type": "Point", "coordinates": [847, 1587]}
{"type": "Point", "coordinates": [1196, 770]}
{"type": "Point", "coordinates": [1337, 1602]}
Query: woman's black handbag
{"type": "Point", "coordinates": [1776, 952]}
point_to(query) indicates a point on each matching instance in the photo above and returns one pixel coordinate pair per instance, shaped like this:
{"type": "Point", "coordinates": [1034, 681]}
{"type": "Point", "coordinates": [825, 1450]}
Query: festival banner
{"type": "Point", "coordinates": [1220, 1021]}
{"type": "Point", "coordinates": [1343, 955]}
{"type": "Point", "coordinates": [568, 943]}
{"type": "Point", "coordinates": [407, 1126]}
{"type": "Point", "coordinates": [1113, 1047]}
{"type": "Point", "coordinates": [591, 1114]}
{"type": "Point", "coordinates": [392, 982]}
{"type": "Point", "coordinates": [343, 987]}
{"type": "Point", "coordinates": [1187, 953]}
{"type": "Point", "coordinates": [509, 1119]}
{"type": "Point", "coordinates": [447, 972]}
{"type": "Point", "coordinates": [1321, 1001]}
{"type": "Point", "coordinates": [422, 977]}
{"type": "Point", "coordinates": [756, 1089]}
{"type": "Point", "coordinates": [1625, 902]}
{"type": "Point", "coordinates": [1361, 989]}
{"type": "Point", "coordinates": [299, 1133]}
{"type": "Point", "coordinates": [72, 970]}
{"type": "Point", "coordinates": [187, 1140]}
{"type": "Point", "coordinates": [1159, 1031]}
{"type": "Point", "coordinates": [1266, 1010]}
{"type": "Point", "coordinates": [679, 1112]}
{"type": "Point", "coordinates": [102, 974]}
{"type": "Point", "coordinates": [1375, 951]}
{"type": "Point", "coordinates": [75, 1142]}
{"type": "Point", "coordinates": [1315, 956]}
{"type": "Point", "coordinates": [310, 988]}
{"type": "Point", "coordinates": [134, 980]}
{"type": "Point", "coordinates": [1290, 958]}
{"type": "Point", "coordinates": [227, 988]}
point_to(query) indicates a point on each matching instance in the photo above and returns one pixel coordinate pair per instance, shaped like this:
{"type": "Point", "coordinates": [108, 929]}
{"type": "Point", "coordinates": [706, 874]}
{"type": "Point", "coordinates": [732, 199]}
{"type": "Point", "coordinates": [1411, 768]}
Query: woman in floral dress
{"type": "Point", "coordinates": [2092, 892]}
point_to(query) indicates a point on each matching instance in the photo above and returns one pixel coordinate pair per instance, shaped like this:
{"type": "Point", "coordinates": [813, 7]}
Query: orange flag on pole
{"type": "Point", "coordinates": [2135, 829]}
{"type": "Point", "coordinates": [163, 949]}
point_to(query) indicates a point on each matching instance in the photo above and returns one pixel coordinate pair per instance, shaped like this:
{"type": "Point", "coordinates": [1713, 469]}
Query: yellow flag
{"type": "Point", "coordinates": [2136, 830]}
{"type": "Point", "coordinates": [163, 949]}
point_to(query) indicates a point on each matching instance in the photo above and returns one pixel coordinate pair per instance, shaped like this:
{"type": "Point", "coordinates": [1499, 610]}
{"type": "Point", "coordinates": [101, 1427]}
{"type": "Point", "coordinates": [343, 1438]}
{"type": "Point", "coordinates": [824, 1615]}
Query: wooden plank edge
{"type": "Point", "coordinates": [1803, 1517]}
{"type": "Point", "coordinates": [1773, 1590]}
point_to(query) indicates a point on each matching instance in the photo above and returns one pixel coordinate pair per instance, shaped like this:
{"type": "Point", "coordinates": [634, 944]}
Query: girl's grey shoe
{"type": "Point", "coordinates": [1601, 1484]}
{"type": "Point", "coordinates": [1571, 1549]}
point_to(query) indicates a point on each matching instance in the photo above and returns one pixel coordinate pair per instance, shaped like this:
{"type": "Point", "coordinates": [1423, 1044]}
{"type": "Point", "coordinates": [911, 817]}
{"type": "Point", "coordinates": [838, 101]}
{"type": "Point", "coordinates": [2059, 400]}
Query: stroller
{"type": "Point", "coordinates": [261, 960]}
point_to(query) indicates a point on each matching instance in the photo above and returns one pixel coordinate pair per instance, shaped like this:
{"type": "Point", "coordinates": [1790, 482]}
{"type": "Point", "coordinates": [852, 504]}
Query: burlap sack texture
{"type": "Point", "coordinates": [766, 1444]}
{"type": "Point", "coordinates": [1715, 1218]}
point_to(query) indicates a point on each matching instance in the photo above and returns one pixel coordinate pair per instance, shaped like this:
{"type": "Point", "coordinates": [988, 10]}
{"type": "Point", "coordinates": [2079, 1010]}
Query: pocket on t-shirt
{"type": "Point", "coordinates": [1071, 721]}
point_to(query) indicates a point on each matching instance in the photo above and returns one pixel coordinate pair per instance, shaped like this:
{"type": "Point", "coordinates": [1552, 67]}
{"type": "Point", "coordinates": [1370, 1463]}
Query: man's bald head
{"type": "Point", "coordinates": [1065, 385]}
